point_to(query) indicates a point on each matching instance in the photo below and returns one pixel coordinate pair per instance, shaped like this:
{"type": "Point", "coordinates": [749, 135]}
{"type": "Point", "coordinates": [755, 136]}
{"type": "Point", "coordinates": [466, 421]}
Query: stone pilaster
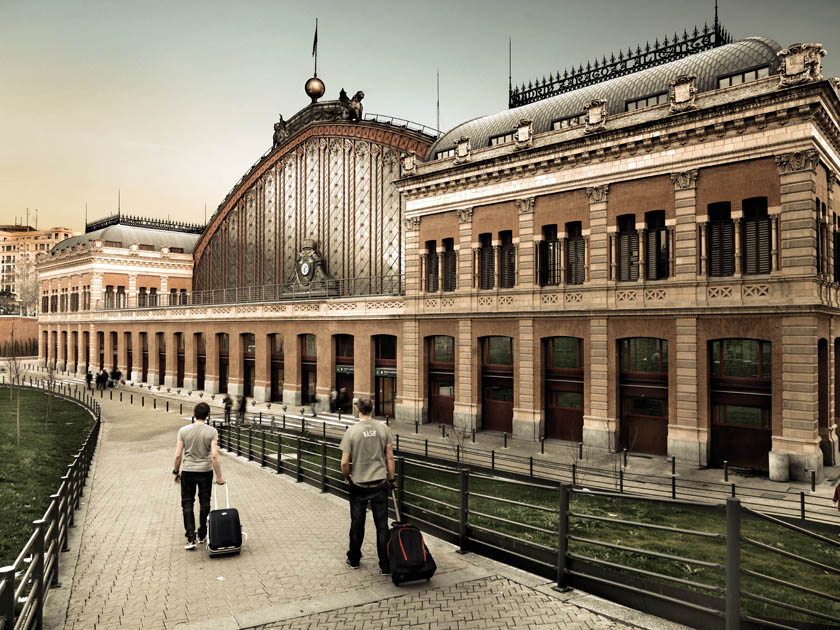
{"type": "Point", "coordinates": [465, 251]}
{"type": "Point", "coordinates": [799, 435]}
{"type": "Point", "coordinates": [262, 365]}
{"type": "Point", "coordinates": [598, 240]}
{"type": "Point", "coordinates": [154, 364]}
{"type": "Point", "coordinates": [170, 378]}
{"type": "Point", "coordinates": [235, 385]}
{"type": "Point", "coordinates": [685, 230]}
{"type": "Point", "coordinates": [798, 229]}
{"type": "Point", "coordinates": [109, 350]}
{"type": "Point", "coordinates": [122, 354]}
{"type": "Point", "coordinates": [326, 373]}
{"type": "Point", "coordinates": [687, 441]}
{"type": "Point", "coordinates": [412, 256]}
{"type": "Point", "coordinates": [527, 416]}
{"type": "Point", "coordinates": [410, 407]}
{"type": "Point", "coordinates": [526, 259]}
{"type": "Point", "coordinates": [190, 362]}
{"type": "Point", "coordinates": [465, 413]}
{"type": "Point", "coordinates": [291, 371]}
{"type": "Point", "coordinates": [599, 427]}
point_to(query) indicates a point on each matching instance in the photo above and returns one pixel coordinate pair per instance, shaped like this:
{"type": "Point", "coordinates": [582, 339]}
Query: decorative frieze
{"type": "Point", "coordinates": [800, 63]}
{"type": "Point", "coordinates": [595, 115]}
{"type": "Point", "coordinates": [465, 215]}
{"type": "Point", "coordinates": [682, 93]}
{"type": "Point", "coordinates": [685, 179]}
{"type": "Point", "coordinates": [526, 206]}
{"type": "Point", "coordinates": [597, 194]}
{"type": "Point", "coordinates": [798, 161]}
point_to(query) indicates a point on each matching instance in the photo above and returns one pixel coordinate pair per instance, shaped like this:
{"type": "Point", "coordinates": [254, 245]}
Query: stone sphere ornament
{"type": "Point", "coordinates": [315, 88]}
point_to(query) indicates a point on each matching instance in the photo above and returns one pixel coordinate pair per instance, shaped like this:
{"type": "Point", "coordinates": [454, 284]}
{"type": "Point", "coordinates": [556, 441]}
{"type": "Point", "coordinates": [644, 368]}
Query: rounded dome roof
{"type": "Point", "coordinates": [126, 235]}
{"type": "Point", "coordinates": [708, 66]}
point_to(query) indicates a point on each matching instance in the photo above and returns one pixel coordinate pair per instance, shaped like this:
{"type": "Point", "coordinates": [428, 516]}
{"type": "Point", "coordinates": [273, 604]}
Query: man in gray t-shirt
{"type": "Point", "coordinates": [198, 450]}
{"type": "Point", "coordinates": [367, 463]}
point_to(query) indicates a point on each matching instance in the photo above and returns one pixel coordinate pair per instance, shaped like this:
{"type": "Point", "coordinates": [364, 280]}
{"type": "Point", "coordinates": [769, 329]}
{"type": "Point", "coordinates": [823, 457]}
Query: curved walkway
{"type": "Point", "coordinates": [132, 570]}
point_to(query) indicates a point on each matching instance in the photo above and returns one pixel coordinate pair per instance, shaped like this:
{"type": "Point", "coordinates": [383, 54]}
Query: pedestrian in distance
{"type": "Point", "coordinates": [228, 403]}
{"type": "Point", "coordinates": [88, 379]}
{"type": "Point", "coordinates": [367, 463]}
{"type": "Point", "coordinates": [240, 410]}
{"type": "Point", "coordinates": [196, 458]}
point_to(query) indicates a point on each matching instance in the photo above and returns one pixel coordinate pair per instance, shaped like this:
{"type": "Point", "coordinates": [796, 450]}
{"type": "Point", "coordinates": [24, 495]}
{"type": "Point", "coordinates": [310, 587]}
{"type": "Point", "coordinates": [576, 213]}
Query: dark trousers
{"type": "Point", "coordinates": [359, 498]}
{"type": "Point", "coordinates": [189, 482]}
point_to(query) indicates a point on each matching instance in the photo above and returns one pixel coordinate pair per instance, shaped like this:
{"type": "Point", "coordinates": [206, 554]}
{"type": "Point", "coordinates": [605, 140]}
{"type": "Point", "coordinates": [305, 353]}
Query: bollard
{"type": "Point", "coordinates": [531, 465]}
{"type": "Point", "coordinates": [180, 409]}
{"type": "Point", "coordinates": [324, 430]}
{"type": "Point", "coordinates": [580, 450]}
{"type": "Point", "coordinates": [443, 430]}
{"type": "Point", "coordinates": [260, 417]}
{"type": "Point", "coordinates": [465, 498]}
{"type": "Point", "coordinates": [542, 446]}
{"type": "Point", "coordinates": [279, 453]}
{"type": "Point", "coordinates": [110, 394]}
{"type": "Point", "coordinates": [284, 421]}
{"type": "Point", "coordinates": [458, 453]}
{"type": "Point", "coordinates": [142, 401]}
{"type": "Point", "coordinates": [132, 398]}
{"type": "Point", "coordinates": [492, 460]}
{"type": "Point", "coordinates": [387, 420]}
{"type": "Point", "coordinates": [167, 406]}
{"type": "Point", "coordinates": [625, 458]}
{"type": "Point", "coordinates": [416, 425]}
{"type": "Point", "coordinates": [621, 481]}
{"type": "Point", "coordinates": [302, 424]}
{"type": "Point", "coordinates": [673, 486]}
{"type": "Point", "coordinates": [725, 470]}
{"type": "Point", "coordinates": [802, 505]}
{"type": "Point", "coordinates": [473, 436]}
{"type": "Point", "coordinates": [505, 439]}
{"type": "Point", "coordinates": [674, 465]}
{"type": "Point", "coordinates": [733, 489]}
{"type": "Point", "coordinates": [154, 403]}
{"type": "Point", "coordinates": [574, 475]}
{"type": "Point", "coordinates": [397, 445]}
{"type": "Point", "coordinates": [813, 481]}
{"type": "Point", "coordinates": [426, 447]}
{"type": "Point", "coordinates": [120, 396]}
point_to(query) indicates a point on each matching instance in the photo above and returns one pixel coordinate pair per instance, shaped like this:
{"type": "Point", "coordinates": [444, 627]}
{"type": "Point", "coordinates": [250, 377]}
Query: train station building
{"type": "Point", "coordinates": [643, 253]}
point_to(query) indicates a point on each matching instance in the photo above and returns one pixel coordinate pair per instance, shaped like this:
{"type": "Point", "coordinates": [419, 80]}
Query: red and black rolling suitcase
{"type": "Point", "coordinates": [407, 552]}
{"type": "Point", "coordinates": [224, 532]}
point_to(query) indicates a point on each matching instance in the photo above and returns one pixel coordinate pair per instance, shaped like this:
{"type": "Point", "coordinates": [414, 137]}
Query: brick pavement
{"type": "Point", "coordinates": [133, 572]}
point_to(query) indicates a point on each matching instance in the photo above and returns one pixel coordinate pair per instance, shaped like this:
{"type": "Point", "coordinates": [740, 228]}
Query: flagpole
{"type": "Point", "coordinates": [315, 47]}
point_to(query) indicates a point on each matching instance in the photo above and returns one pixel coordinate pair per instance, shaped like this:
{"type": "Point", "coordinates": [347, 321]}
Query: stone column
{"type": "Point", "coordinates": [136, 358]}
{"type": "Point", "coordinates": [190, 360]}
{"type": "Point", "coordinates": [109, 351]}
{"type": "Point", "coordinates": [262, 368]}
{"type": "Point", "coordinates": [211, 362]}
{"type": "Point", "coordinates": [362, 368]}
{"type": "Point", "coordinates": [413, 271]}
{"type": "Point", "coordinates": [441, 271]}
{"type": "Point", "coordinates": [497, 264]}
{"type": "Point", "coordinates": [97, 292]}
{"type": "Point", "coordinates": [799, 437]}
{"type": "Point", "coordinates": [465, 413]}
{"type": "Point", "coordinates": [291, 368]}
{"type": "Point", "coordinates": [235, 357]}
{"type": "Point", "coordinates": [91, 347]}
{"type": "Point", "coordinates": [411, 363]}
{"type": "Point", "coordinates": [131, 296]}
{"type": "Point", "coordinates": [798, 229]}
{"type": "Point", "coordinates": [526, 261]}
{"type": "Point", "coordinates": [685, 230]}
{"type": "Point", "coordinates": [170, 379]}
{"type": "Point", "coordinates": [326, 371]}
{"type": "Point", "coordinates": [527, 415]}
{"type": "Point", "coordinates": [122, 354]}
{"type": "Point", "coordinates": [736, 215]}
{"type": "Point", "coordinates": [466, 256]}
{"type": "Point", "coordinates": [598, 240]}
{"type": "Point", "coordinates": [641, 230]}
{"type": "Point", "coordinates": [61, 351]}
{"type": "Point", "coordinates": [600, 428]}
{"type": "Point", "coordinates": [687, 441]}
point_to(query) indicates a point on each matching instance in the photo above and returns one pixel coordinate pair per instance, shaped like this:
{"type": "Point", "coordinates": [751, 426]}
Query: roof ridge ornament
{"type": "Point", "coordinates": [800, 63]}
{"type": "Point", "coordinates": [623, 64]}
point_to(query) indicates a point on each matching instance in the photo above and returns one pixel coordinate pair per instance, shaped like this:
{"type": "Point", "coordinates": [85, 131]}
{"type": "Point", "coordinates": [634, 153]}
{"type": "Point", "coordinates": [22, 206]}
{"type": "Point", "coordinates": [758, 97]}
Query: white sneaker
{"type": "Point", "coordinates": [190, 546]}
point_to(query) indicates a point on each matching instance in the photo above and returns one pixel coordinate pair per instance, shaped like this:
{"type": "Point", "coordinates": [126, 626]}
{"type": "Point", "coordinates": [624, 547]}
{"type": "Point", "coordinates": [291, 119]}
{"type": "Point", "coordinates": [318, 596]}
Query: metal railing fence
{"type": "Point", "coordinates": [687, 568]}
{"type": "Point", "coordinates": [25, 584]}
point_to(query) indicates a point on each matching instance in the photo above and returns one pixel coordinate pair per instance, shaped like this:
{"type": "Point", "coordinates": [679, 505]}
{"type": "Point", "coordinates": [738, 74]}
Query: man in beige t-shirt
{"type": "Point", "coordinates": [367, 463]}
{"type": "Point", "coordinates": [198, 448]}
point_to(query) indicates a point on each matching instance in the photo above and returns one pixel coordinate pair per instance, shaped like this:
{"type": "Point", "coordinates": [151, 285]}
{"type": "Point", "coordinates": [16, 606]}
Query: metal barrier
{"type": "Point", "coordinates": [25, 584]}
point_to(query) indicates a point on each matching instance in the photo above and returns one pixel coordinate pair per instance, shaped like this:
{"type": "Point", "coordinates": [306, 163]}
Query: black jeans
{"type": "Point", "coordinates": [359, 498]}
{"type": "Point", "coordinates": [189, 482]}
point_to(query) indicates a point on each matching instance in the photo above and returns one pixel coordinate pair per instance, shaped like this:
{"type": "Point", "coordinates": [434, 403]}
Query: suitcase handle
{"type": "Point", "coordinates": [396, 506]}
{"type": "Point", "coordinates": [216, 498]}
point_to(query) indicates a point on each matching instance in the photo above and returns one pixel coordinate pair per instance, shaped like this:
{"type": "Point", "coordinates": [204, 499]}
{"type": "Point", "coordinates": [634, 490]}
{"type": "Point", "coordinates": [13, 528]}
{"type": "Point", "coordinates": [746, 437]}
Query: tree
{"type": "Point", "coordinates": [26, 278]}
{"type": "Point", "coordinates": [15, 371]}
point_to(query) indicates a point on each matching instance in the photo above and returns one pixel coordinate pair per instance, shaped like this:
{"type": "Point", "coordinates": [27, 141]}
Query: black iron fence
{"type": "Point", "coordinates": [700, 564]}
{"type": "Point", "coordinates": [25, 584]}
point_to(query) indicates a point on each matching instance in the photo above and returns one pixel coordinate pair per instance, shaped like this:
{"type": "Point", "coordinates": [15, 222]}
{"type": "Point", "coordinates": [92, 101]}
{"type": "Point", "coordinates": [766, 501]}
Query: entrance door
{"type": "Point", "coordinates": [441, 397]}
{"type": "Point", "coordinates": [276, 380]}
{"type": "Point", "coordinates": [223, 374]}
{"type": "Point", "coordinates": [741, 434]}
{"type": "Point", "coordinates": [200, 368]}
{"type": "Point", "coordinates": [309, 381]}
{"type": "Point", "coordinates": [564, 410]}
{"type": "Point", "coordinates": [344, 386]}
{"type": "Point", "coordinates": [644, 419]}
{"type": "Point", "coordinates": [248, 377]}
{"type": "Point", "coordinates": [386, 393]}
{"type": "Point", "coordinates": [497, 404]}
{"type": "Point", "coordinates": [144, 360]}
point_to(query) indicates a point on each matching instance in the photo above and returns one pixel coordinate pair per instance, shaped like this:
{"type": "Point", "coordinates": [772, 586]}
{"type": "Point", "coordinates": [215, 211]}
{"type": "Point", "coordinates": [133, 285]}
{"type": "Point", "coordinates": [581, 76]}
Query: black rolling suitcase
{"type": "Point", "coordinates": [224, 532]}
{"type": "Point", "coordinates": [407, 552]}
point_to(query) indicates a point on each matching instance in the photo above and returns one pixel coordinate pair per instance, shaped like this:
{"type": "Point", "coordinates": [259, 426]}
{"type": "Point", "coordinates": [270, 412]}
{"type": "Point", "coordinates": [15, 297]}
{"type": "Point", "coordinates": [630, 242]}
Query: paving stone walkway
{"type": "Point", "coordinates": [132, 570]}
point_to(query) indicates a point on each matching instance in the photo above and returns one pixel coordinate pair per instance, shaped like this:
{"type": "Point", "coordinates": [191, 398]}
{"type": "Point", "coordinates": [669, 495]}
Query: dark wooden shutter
{"type": "Point", "coordinates": [628, 256]}
{"type": "Point", "coordinates": [507, 273]}
{"type": "Point", "coordinates": [432, 271]}
{"type": "Point", "coordinates": [575, 260]}
{"type": "Point", "coordinates": [544, 264]}
{"type": "Point", "coordinates": [757, 245]}
{"type": "Point", "coordinates": [450, 266]}
{"type": "Point", "coordinates": [487, 267]}
{"type": "Point", "coordinates": [721, 248]}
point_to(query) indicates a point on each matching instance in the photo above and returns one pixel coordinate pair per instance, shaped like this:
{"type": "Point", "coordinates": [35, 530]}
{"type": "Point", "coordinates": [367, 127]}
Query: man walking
{"type": "Point", "coordinates": [367, 463]}
{"type": "Point", "coordinates": [198, 446]}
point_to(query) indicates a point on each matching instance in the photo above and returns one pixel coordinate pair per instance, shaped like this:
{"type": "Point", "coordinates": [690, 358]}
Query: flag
{"type": "Point", "coordinates": [315, 41]}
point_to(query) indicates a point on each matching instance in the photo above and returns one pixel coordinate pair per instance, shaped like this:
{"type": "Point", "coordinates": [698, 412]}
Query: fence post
{"type": "Point", "coordinates": [7, 596]}
{"type": "Point", "coordinates": [465, 508]}
{"type": "Point", "coordinates": [250, 443]}
{"type": "Point", "coordinates": [492, 460]}
{"type": "Point", "coordinates": [279, 453]}
{"type": "Point", "coordinates": [562, 537]}
{"type": "Point", "coordinates": [238, 440]}
{"type": "Point", "coordinates": [64, 500]}
{"type": "Point", "coordinates": [262, 449]}
{"type": "Point", "coordinates": [55, 499]}
{"type": "Point", "coordinates": [400, 472]}
{"type": "Point", "coordinates": [802, 505]}
{"type": "Point", "coordinates": [38, 573]}
{"type": "Point", "coordinates": [298, 473]}
{"type": "Point", "coordinates": [531, 466]}
{"type": "Point", "coordinates": [673, 486]}
{"type": "Point", "coordinates": [733, 564]}
{"type": "Point", "coordinates": [323, 466]}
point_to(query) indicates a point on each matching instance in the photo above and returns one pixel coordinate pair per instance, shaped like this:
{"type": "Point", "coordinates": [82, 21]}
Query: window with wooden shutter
{"type": "Point", "coordinates": [431, 267]}
{"type": "Point", "coordinates": [507, 272]}
{"type": "Point", "coordinates": [721, 241]}
{"type": "Point", "coordinates": [656, 247]}
{"type": "Point", "coordinates": [627, 245]}
{"type": "Point", "coordinates": [756, 236]}
{"type": "Point", "coordinates": [549, 252]}
{"type": "Point", "coordinates": [486, 262]}
{"type": "Point", "coordinates": [575, 254]}
{"type": "Point", "coordinates": [450, 265]}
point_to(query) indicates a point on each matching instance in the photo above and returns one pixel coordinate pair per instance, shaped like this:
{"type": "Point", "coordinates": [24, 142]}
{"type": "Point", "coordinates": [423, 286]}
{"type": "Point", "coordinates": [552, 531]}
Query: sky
{"type": "Point", "coordinates": [167, 103]}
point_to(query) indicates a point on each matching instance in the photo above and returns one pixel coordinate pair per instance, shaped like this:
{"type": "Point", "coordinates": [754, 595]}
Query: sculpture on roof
{"type": "Point", "coordinates": [279, 132]}
{"type": "Point", "coordinates": [352, 107]}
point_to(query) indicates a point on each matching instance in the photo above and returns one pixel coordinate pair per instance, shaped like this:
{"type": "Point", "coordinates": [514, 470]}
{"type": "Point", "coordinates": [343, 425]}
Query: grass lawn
{"type": "Point", "coordinates": [433, 491]}
{"type": "Point", "coordinates": [29, 474]}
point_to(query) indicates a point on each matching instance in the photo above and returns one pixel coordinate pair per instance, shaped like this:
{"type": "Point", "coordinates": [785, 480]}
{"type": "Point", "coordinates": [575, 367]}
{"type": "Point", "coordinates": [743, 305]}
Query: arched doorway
{"type": "Point", "coordinates": [249, 353]}
{"type": "Point", "coordinates": [563, 388]}
{"type": "Point", "coordinates": [385, 374]}
{"type": "Point", "coordinates": [144, 357]}
{"type": "Point", "coordinates": [741, 402]}
{"type": "Point", "coordinates": [344, 373]}
{"type": "Point", "coordinates": [275, 344]}
{"type": "Point", "coordinates": [161, 339]}
{"type": "Point", "coordinates": [441, 378]}
{"type": "Point", "coordinates": [308, 368]}
{"type": "Point", "coordinates": [497, 383]}
{"type": "Point", "coordinates": [180, 359]}
{"type": "Point", "coordinates": [129, 355]}
{"type": "Point", "coordinates": [200, 360]}
{"type": "Point", "coordinates": [643, 384]}
{"type": "Point", "coordinates": [223, 345]}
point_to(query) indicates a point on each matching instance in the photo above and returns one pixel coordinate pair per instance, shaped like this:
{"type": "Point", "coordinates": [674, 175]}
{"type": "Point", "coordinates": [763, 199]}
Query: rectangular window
{"type": "Point", "coordinates": [656, 248]}
{"type": "Point", "coordinates": [443, 350]}
{"type": "Point", "coordinates": [647, 101]}
{"type": "Point", "coordinates": [755, 236]}
{"type": "Point", "coordinates": [432, 270]}
{"type": "Point", "coordinates": [498, 351]}
{"type": "Point", "coordinates": [575, 254]}
{"type": "Point", "coordinates": [564, 353]}
{"type": "Point", "coordinates": [565, 123]}
{"type": "Point", "coordinates": [721, 241]}
{"type": "Point", "coordinates": [147, 248]}
{"type": "Point", "coordinates": [549, 250]}
{"type": "Point", "coordinates": [486, 262]}
{"type": "Point", "coordinates": [507, 272]}
{"type": "Point", "coordinates": [741, 358]}
{"type": "Point", "coordinates": [176, 250]}
{"type": "Point", "coordinates": [113, 244]}
{"type": "Point", "coordinates": [644, 354]}
{"type": "Point", "coordinates": [442, 155]}
{"type": "Point", "coordinates": [450, 265]}
{"type": "Point", "coordinates": [744, 77]}
{"type": "Point", "coordinates": [501, 139]}
{"type": "Point", "coordinates": [627, 249]}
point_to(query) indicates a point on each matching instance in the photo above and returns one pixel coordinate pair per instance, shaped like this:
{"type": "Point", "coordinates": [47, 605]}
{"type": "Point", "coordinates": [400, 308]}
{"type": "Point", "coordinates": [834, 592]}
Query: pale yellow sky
{"type": "Point", "coordinates": [171, 102]}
